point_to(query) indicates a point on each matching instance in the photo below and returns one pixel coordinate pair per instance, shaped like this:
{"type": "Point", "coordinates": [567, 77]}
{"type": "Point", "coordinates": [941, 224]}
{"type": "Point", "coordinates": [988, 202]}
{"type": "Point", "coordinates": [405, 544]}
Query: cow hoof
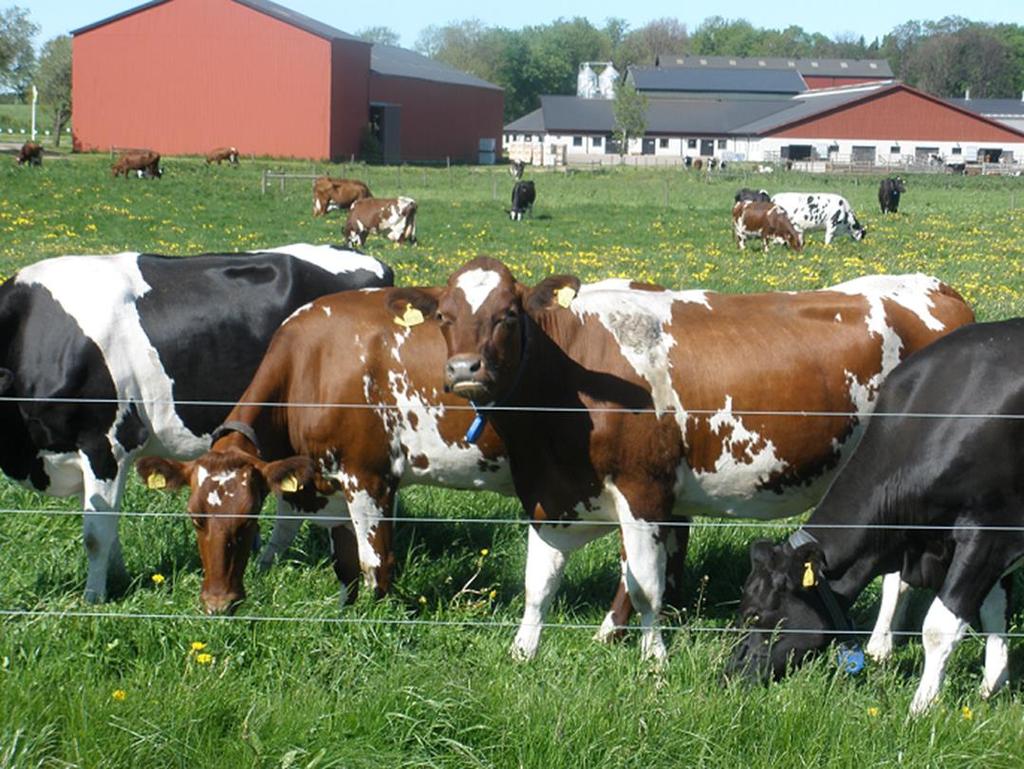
{"type": "Point", "coordinates": [880, 650]}
{"type": "Point", "coordinates": [95, 596]}
{"type": "Point", "coordinates": [609, 632]}
{"type": "Point", "coordinates": [521, 654]}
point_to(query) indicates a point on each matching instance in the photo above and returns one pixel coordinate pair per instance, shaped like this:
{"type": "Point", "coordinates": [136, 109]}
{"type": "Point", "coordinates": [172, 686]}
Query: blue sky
{"type": "Point", "coordinates": [870, 18]}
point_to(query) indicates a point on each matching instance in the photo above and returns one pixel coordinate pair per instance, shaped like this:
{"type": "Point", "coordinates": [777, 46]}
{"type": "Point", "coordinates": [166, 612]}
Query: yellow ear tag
{"type": "Point", "coordinates": [565, 295]}
{"type": "Point", "coordinates": [810, 578]}
{"type": "Point", "coordinates": [156, 481]}
{"type": "Point", "coordinates": [290, 484]}
{"type": "Point", "coordinates": [412, 317]}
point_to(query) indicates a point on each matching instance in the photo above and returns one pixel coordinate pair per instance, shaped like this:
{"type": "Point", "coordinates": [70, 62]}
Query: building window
{"type": "Point", "coordinates": [597, 141]}
{"type": "Point", "coordinates": [894, 149]}
{"type": "Point", "coordinates": [691, 144]}
{"type": "Point", "coordinates": [957, 151]}
{"type": "Point", "coordinates": [722, 144]}
{"type": "Point", "coordinates": [663, 143]}
{"type": "Point", "coordinates": [577, 141]}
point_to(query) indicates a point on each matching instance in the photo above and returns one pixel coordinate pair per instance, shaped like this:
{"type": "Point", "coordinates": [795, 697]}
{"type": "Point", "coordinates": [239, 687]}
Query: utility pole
{"type": "Point", "coordinates": [35, 98]}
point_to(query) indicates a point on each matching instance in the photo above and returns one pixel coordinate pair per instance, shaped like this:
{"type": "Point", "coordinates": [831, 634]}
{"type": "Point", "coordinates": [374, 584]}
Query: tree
{"type": "Point", "coordinates": [630, 108]}
{"type": "Point", "coordinates": [644, 44]}
{"type": "Point", "coordinates": [17, 56]}
{"type": "Point", "coordinates": [382, 35]}
{"type": "Point", "coordinates": [54, 82]}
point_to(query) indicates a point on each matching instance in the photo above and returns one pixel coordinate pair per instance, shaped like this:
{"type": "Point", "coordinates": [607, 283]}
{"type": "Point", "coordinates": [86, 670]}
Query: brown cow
{"type": "Point", "coordinates": [767, 221]}
{"type": "Point", "coordinates": [30, 153]}
{"type": "Point", "coordinates": [412, 434]}
{"type": "Point", "coordinates": [145, 163]}
{"type": "Point", "coordinates": [632, 404]}
{"type": "Point", "coordinates": [331, 193]}
{"type": "Point", "coordinates": [221, 154]}
{"type": "Point", "coordinates": [395, 218]}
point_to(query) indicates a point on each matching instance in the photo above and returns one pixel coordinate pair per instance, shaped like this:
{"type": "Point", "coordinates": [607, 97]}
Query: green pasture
{"type": "Point", "coordinates": [423, 678]}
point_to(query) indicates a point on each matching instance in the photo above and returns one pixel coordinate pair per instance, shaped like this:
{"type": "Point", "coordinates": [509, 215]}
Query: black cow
{"type": "Point", "coordinates": [889, 191]}
{"type": "Point", "coordinates": [947, 487]}
{"type": "Point", "coordinates": [523, 196]}
{"type": "Point", "coordinates": [756, 196]}
{"type": "Point", "coordinates": [516, 168]}
{"type": "Point", "coordinates": [141, 338]}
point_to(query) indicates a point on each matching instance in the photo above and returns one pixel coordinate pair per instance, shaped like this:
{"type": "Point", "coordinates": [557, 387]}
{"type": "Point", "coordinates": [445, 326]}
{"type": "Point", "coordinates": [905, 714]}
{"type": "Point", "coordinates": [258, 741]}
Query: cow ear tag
{"type": "Point", "coordinates": [412, 317]}
{"type": "Point", "coordinates": [565, 295]}
{"type": "Point", "coordinates": [290, 484]}
{"type": "Point", "coordinates": [156, 481]}
{"type": "Point", "coordinates": [810, 579]}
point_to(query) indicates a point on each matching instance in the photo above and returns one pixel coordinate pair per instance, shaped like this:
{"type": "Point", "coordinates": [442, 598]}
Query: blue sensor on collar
{"type": "Point", "coordinates": [475, 428]}
{"type": "Point", "coordinates": [850, 658]}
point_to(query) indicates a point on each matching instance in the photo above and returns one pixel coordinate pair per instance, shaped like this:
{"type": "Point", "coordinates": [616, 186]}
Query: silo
{"type": "Point", "coordinates": [606, 82]}
{"type": "Point", "coordinates": [586, 82]}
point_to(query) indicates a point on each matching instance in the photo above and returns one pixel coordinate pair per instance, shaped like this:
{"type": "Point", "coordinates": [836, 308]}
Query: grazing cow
{"type": "Point", "coordinates": [946, 483]}
{"type": "Point", "coordinates": [133, 335]}
{"type": "Point", "coordinates": [889, 191]}
{"type": "Point", "coordinates": [353, 460]}
{"type": "Point", "coordinates": [516, 169]}
{"type": "Point", "coordinates": [523, 196]}
{"type": "Point", "coordinates": [698, 164]}
{"type": "Point", "coordinates": [820, 210]}
{"type": "Point", "coordinates": [221, 154]}
{"type": "Point", "coordinates": [31, 153]}
{"type": "Point", "coordinates": [145, 162]}
{"type": "Point", "coordinates": [395, 218]}
{"type": "Point", "coordinates": [329, 194]}
{"type": "Point", "coordinates": [745, 193]}
{"type": "Point", "coordinates": [766, 221]}
{"type": "Point", "coordinates": [629, 403]}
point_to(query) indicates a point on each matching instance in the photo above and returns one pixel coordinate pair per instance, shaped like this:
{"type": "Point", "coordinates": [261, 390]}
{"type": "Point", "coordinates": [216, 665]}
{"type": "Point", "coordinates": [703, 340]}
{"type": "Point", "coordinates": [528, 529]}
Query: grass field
{"type": "Point", "coordinates": [371, 691]}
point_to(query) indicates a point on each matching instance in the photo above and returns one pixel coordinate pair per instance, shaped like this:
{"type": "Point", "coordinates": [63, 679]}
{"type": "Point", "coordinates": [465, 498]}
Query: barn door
{"type": "Point", "coordinates": [386, 125]}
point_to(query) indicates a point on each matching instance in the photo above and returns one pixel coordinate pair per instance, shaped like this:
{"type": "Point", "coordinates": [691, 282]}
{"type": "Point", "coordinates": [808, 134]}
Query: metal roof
{"type": "Point", "coordinates": [810, 66]}
{"type": "Point", "coordinates": [991, 107]}
{"type": "Point", "coordinates": [279, 12]}
{"type": "Point", "coordinates": [531, 122]}
{"type": "Point", "coordinates": [717, 80]}
{"type": "Point", "coordinates": [398, 62]}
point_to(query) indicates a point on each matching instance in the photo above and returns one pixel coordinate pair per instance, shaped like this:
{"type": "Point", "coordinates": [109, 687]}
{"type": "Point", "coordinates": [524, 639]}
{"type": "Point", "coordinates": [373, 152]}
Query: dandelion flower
{"type": "Point", "coordinates": [204, 659]}
{"type": "Point", "coordinates": [966, 713]}
{"type": "Point", "coordinates": [198, 646]}
{"type": "Point", "coordinates": [119, 695]}
{"type": "Point", "coordinates": [158, 579]}
{"type": "Point", "coordinates": [423, 600]}
{"type": "Point", "coordinates": [485, 552]}
{"type": "Point", "coordinates": [492, 595]}
{"type": "Point", "coordinates": [873, 712]}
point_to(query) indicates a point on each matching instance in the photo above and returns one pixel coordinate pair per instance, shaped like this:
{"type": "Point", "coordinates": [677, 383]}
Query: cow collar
{"type": "Point", "coordinates": [850, 657]}
{"type": "Point", "coordinates": [231, 426]}
{"type": "Point", "coordinates": [476, 427]}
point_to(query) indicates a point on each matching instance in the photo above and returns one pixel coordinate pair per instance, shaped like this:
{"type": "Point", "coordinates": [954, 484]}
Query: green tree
{"type": "Point", "coordinates": [382, 35]}
{"type": "Point", "coordinates": [630, 108]}
{"type": "Point", "coordinates": [17, 56]}
{"type": "Point", "coordinates": [666, 36]}
{"type": "Point", "coordinates": [54, 82]}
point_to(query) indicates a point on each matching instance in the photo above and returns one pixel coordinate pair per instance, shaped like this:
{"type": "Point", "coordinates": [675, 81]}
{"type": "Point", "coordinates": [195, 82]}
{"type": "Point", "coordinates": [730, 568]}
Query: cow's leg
{"type": "Point", "coordinates": [101, 505]}
{"type": "Point", "coordinates": [830, 232]}
{"type": "Point", "coordinates": [372, 525]}
{"type": "Point", "coordinates": [993, 622]}
{"type": "Point", "coordinates": [890, 612]}
{"type": "Point", "coordinates": [345, 558]}
{"type": "Point", "coordinates": [941, 632]}
{"type": "Point", "coordinates": [546, 553]}
{"type": "Point", "coordinates": [287, 523]}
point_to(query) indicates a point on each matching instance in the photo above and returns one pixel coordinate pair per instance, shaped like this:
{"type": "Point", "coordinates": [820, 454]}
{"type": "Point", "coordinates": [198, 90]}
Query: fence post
{"type": "Point", "coordinates": [494, 189]}
{"type": "Point", "coordinates": [281, 173]}
{"type": "Point", "coordinates": [263, 182]}
{"type": "Point", "coordinates": [448, 163]}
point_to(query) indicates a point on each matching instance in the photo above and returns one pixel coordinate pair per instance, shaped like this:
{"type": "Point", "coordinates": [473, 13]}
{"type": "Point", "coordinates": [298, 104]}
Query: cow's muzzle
{"type": "Point", "coordinates": [466, 376]}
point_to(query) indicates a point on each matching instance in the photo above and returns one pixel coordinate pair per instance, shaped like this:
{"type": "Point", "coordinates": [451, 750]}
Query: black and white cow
{"type": "Point", "coordinates": [516, 168]}
{"type": "Point", "coordinates": [820, 211]}
{"type": "Point", "coordinates": [104, 357]}
{"type": "Point", "coordinates": [889, 191]}
{"type": "Point", "coordinates": [947, 487]}
{"type": "Point", "coordinates": [755, 196]}
{"type": "Point", "coordinates": [523, 196]}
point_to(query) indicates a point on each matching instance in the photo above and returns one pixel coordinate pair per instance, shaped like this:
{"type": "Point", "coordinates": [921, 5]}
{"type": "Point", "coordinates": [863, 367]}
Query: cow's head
{"type": "Point", "coordinates": [227, 490]}
{"type": "Point", "coordinates": [899, 185]}
{"type": "Point", "coordinates": [781, 594]}
{"type": "Point", "coordinates": [483, 315]}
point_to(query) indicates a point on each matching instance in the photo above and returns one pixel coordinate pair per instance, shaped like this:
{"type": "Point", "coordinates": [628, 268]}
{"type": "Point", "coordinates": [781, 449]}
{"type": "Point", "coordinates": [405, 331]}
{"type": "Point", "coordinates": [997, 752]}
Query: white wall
{"type": "Point", "coordinates": [771, 148]}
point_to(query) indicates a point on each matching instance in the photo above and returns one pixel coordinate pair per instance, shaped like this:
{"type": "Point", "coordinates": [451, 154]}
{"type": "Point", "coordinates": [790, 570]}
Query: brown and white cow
{"type": "Point", "coordinates": [31, 153]}
{"type": "Point", "coordinates": [396, 427]}
{"type": "Point", "coordinates": [145, 163]}
{"type": "Point", "coordinates": [394, 218]}
{"type": "Point", "coordinates": [627, 404]}
{"type": "Point", "coordinates": [767, 221]}
{"type": "Point", "coordinates": [221, 154]}
{"type": "Point", "coordinates": [329, 194]}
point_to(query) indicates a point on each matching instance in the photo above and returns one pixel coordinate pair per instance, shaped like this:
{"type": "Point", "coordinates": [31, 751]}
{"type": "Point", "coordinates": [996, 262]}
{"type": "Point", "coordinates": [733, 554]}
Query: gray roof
{"type": "Point", "coordinates": [531, 122]}
{"type": "Point", "coordinates": [717, 80]}
{"type": "Point", "coordinates": [279, 12]}
{"type": "Point", "coordinates": [807, 106]}
{"type": "Point", "coordinates": [991, 107]}
{"type": "Point", "coordinates": [398, 62]}
{"type": "Point", "coordinates": [824, 67]}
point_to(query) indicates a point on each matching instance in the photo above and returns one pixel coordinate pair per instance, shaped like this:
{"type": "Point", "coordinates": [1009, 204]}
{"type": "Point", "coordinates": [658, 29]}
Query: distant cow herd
{"type": "Point", "coordinates": [610, 402]}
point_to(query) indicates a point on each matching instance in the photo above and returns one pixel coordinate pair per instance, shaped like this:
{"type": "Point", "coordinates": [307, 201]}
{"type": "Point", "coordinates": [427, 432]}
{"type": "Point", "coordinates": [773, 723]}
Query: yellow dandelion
{"type": "Point", "coordinates": [158, 579]}
{"type": "Point", "coordinates": [873, 712]}
{"type": "Point", "coordinates": [204, 659]}
{"type": "Point", "coordinates": [120, 695]}
{"type": "Point", "coordinates": [423, 600]}
{"type": "Point", "coordinates": [198, 646]}
{"type": "Point", "coordinates": [492, 595]}
{"type": "Point", "coordinates": [966, 713]}
{"type": "Point", "coordinates": [485, 552]}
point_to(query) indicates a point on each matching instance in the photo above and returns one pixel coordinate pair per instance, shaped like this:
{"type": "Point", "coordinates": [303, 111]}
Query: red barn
{"type": "Point", "coordinates": [183, 76]}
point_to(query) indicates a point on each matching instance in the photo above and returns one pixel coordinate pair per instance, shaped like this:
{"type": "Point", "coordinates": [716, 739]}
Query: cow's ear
{"type": "Point", "coordinates": [411, 306]}
{"type": "Point", "coordinates": [162, 474]}
{"type": "Point", "coordinates": [288, 476]}
{"type": "Point", "coordinates": [761, 552]}
{"type": "Point", "coordinates": [557, 290]}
